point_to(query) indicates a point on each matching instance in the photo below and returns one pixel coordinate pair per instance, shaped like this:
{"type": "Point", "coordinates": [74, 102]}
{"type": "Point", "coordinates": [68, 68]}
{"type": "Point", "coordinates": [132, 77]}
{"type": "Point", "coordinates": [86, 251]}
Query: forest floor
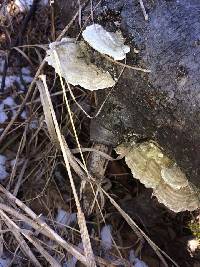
{"type": "Point", "coordinates": [40, 224]}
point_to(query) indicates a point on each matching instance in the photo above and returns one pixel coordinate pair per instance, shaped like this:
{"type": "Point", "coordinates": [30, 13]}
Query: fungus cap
{"type": "Point", "coordinates": [75, 67]}
{"type": "Point", "coordinates": [108, 43]}
{"type": "Point", "coordinates": [150, 165]}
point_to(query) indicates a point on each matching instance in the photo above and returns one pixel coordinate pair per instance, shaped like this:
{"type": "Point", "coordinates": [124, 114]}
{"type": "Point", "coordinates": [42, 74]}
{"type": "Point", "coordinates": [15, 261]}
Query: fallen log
{"type": "Point", "coordinates": [161, 106]}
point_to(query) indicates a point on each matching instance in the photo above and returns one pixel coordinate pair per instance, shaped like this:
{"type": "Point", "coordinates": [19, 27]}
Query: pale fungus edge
{"type": "Point", "coordinates": [147, 165]}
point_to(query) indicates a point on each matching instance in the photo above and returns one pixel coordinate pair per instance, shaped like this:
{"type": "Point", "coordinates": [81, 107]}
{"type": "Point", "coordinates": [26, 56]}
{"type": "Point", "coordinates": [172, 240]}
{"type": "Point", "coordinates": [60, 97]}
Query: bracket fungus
{"type": "Point", "coordinates": [150, 165]}
{"type": "Point", "coordinates": [75, 65]}
{"type": "Point", "coordinates": [109, 43]}
{"type": "Point", "coordinates": [75, 60]}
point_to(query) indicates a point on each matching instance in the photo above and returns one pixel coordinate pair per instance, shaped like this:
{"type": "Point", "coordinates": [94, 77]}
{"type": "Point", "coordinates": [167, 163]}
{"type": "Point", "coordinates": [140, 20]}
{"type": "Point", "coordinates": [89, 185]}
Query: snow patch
{"type": "Point", "coordinates": [5, 262]}
{"type": "Point", "coordinates": [135, 262]}
{"type": "Point", "coordinates": [25, 5]}
{"type": "Point", "coordinates": [9, 101]}
{"type": "Point", "coordinates": [11, 78]}
{"type": "Point", "coordinates": [26, 71]}
{"type": "Point", "coordinates": [65, 218]}
{"type": "Point", "coordinates": [3, 172]}
{"type": "Point", "coordinates": [24, 115]}
{"type": "Point", "coordinates": [106, 237]}
{"type": "Point", "coordinates": [33, 124]}
{"type": "Point", "coordinates": [3, 115]}
{"type": "Point", "coordinates": [16, 162]}
{"type": "Point", "coordinates": [2, 160]}
{"type": "Point", "coordinates": [72, 262]}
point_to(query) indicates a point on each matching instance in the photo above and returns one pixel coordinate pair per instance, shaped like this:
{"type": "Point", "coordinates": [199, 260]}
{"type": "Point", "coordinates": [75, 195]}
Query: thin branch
{"type": "Point", "coordinates": [146, 17]}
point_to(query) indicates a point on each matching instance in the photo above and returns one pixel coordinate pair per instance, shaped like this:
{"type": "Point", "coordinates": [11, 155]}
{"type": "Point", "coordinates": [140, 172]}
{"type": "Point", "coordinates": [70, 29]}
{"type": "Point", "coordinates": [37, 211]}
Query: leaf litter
{"type": "Point", "coordinates": [42, 186]}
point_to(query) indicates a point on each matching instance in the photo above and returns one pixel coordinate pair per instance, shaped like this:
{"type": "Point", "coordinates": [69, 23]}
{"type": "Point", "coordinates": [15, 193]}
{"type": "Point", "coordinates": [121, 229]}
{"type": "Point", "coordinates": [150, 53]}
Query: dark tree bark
{"type": "Point", "coordinates": [162, 105]}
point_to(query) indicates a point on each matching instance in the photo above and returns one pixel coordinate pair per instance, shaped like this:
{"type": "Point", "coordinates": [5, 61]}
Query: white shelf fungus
{"type": "Point", "coordinates": [157, 171]}
{"type": "Point", "coordinates": [108, 43]}
{"type": "Point", "coordinates": [69, 58]}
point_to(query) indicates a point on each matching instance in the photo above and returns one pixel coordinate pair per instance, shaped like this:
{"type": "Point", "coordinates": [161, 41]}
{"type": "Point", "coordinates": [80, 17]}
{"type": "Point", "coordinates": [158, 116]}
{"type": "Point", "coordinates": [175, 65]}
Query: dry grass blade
{"type": "Point", "coordinates": [42, 251]}
{"type": "Point", "coordinates": [20, 148]}
{"type": "Point", "coordinates": [146, 17]}
{"type": "Point", "coordinates": [58, 67]}
{"type": "Point", "coordinates": [94, 150]}
{"type": "Point", "coordinates": [80, 172]}
{"type": "Point", "coordinates": [136, 228]}
{"type": "Point", "coordinates": [81, 218]}
{"type": "Point", "coordinates": [69, 25]}
{"type": "Point", "coordinates": [14, 229]}
{"type": "Point", "coordinates": [127, 66]}
{"type": "Point", "coordinates": [23, 54]}
{"type": "Point", "coordinates": [47, 114]}
{"type": "Point", "coordinates": [44, 229]}
{"type": "Point", "coordinates": [19, 180]}
{"type": "Point", "coordinates": [6, 130]}
{"type": "Point", "coordinates": [128, 219]}
{"type": "Point", "coordinates": [17, 231]}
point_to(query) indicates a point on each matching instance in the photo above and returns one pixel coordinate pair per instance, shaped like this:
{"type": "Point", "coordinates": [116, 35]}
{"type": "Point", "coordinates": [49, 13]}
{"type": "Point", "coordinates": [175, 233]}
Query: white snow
{"type": "Point", "coordinates": [139, 263]}
{"type": "Point", "coordinates": [2, 160]}
{"type": "Point", "coordinates": [9, 101]}
{"type": "Point", "coordinates": [18, 162]}
{"type": "Point", "coordinates": [135, 261]}
{"type": "Point", "coordinates": [27, 78]}
{"type": "Point", "coordinates": [65, 218]}
{"type": "Point", "coordinates": [11, 79]}
{"type": "Point", "coordinates": [5, 262]}
{"type": "Point", "coordinates": [109, 43]}
{"type": "Point", "coordinates": [34, 124]}
{"type": "Point", "coordinates": [24, 115]}
{"type": "Point", "coordinates": [26, 71]}
{"type": "Point", "coordinates": [3, 172]}
{"type": "Point", "coordinates": [3, 115]}
{"type": "Point", "coordinates": [15, 78]}
{"type": "Point", "coordinates": [24, 5]}
{"type": "Point", "coordinates": [106, 237]}
{"type": "Point", "coordinates": [72, 261]}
